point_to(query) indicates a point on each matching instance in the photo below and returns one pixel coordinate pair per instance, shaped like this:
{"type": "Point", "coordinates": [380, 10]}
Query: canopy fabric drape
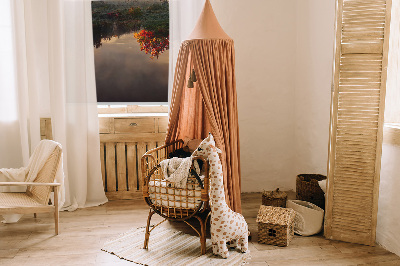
{"type": "Point", "coordinates": [211, 106]}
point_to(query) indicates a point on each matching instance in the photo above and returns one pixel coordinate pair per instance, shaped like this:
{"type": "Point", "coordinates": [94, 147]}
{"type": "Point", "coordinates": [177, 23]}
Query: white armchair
{"type": "Point", "coordinates": [36, 197]}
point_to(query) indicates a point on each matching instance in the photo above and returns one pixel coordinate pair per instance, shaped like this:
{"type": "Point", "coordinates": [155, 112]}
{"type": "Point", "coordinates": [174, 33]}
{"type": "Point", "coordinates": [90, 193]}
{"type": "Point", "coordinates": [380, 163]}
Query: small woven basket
{"type": "Point", "coordinates": [274, 198]}
{"type": "Point", "coordinates": [308, 189]}
{"type": "Point", "coordinates": [275, 225]}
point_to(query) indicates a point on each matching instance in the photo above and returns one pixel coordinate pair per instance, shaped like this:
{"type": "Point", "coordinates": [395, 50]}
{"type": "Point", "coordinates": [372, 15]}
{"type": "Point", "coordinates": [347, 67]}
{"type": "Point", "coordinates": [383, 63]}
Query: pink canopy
{"type": "Point", "coordinates": [211, 104]}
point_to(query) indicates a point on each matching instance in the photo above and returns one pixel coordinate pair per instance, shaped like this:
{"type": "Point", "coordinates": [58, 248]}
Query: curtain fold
{"type": "Point", "coordinates": [55, 78]}
{"type": "Point", "coordinates": [211, 106]}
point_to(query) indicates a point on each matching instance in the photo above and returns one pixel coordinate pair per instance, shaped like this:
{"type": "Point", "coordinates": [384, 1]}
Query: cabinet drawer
{"type": "Point", "coordinates": [162, 124]}
{"type": "Point", "coordinates": [134, 125]}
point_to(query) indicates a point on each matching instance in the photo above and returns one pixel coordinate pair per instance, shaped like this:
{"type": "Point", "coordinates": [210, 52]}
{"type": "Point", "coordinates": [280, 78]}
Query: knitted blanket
{"type": "Point", "coordinates": [176, 170]}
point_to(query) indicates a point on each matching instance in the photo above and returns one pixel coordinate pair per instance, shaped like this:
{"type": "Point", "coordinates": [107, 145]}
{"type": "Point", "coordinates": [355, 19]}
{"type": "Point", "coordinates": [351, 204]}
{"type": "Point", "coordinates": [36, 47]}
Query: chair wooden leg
{"type": "Point", "coordinates": [147, 235]}
{"type": "Point", "coordinates": [56, 211]}
{"type": "Point", "coordinates": [34, 215]}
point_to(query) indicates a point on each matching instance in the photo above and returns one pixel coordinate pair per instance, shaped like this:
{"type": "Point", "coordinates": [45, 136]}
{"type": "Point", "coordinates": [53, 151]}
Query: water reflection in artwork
{"type": "Point", "coordinates": [131, 41]}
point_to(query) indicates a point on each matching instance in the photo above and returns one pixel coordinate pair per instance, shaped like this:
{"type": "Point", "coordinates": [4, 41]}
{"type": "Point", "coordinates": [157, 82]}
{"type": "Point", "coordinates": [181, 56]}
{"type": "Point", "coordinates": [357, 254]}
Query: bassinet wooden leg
{"type": "Point", "coordinates": [147, 235]}
{"type": "Point", "coordinates": [203, 236]}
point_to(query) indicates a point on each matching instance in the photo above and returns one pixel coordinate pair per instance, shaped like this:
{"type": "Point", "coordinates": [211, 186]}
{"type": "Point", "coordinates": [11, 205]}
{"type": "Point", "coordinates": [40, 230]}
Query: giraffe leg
{"type": "Point", "coordinates": [215, 248]}
{"type": "Point", "coordinates": [243, 243]}
{"type": "Point", "coordinates": [233, 243]}
{"type": "Point", "coordinates": [222, 249]}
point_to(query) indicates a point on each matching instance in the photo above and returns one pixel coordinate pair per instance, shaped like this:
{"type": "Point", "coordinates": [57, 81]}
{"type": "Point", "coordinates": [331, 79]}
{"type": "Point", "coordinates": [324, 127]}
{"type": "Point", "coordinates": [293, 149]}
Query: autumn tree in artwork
{"type": "Point", "coordinates": [151, 44]}
{"type": "Point", "coordinates": [149, 23]}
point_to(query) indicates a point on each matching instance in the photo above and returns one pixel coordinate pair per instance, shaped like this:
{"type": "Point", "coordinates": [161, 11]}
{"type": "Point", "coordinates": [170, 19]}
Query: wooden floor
{"type": "Point", "coordinates": [82, 233]}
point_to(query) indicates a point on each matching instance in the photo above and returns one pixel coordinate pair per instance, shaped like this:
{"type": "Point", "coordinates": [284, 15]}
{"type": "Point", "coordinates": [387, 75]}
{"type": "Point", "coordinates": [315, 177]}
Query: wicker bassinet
{"type": "Point", "coordinates": [170, 202]}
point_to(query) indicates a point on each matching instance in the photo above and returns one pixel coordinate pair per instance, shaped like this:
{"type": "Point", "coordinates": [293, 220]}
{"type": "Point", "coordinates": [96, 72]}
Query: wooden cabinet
{"type": "Point", "coordinates": [123, 141]}
{"type": "Point", "coordinates": [148, 128]}
{"type": "Point", "coordinates": [162, 125]}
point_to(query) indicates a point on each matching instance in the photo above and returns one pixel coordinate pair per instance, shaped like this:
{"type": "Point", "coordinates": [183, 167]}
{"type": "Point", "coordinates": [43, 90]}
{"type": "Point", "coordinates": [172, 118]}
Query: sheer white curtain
{"type": "Point", "coordinates": [183, 15]}
{"type": "Point", "coordinates": [10, 144]}
{"type": "Point", "coordinates": [55, 78]}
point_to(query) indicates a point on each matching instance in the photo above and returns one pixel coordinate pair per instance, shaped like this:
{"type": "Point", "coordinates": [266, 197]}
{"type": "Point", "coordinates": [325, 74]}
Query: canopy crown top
{"type": "Point", "coordinates": [207, 26]}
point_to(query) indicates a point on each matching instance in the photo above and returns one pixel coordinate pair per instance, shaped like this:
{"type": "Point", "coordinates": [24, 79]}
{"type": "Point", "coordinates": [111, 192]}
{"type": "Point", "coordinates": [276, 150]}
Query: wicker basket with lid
{"type": "Point", "coordinates": [274, 198]}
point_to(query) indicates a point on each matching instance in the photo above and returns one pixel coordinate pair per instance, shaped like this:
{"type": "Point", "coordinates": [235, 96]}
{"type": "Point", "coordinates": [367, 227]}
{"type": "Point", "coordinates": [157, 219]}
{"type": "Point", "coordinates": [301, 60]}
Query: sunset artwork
{"type": "Point", "coordinates": [131, 42]}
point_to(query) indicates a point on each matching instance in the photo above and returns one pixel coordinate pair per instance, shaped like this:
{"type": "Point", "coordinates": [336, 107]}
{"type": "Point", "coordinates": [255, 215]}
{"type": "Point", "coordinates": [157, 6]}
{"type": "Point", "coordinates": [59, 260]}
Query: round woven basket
{"type": "Point", "coordinates": [308, 189]}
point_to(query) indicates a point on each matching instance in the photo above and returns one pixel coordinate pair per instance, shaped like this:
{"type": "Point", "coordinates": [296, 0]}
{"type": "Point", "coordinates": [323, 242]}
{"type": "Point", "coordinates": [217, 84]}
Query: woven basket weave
{"type": "Point", "coordinates": [308, 189]}
{"type": "Point", "coordinates": [274, 198]}
{"type": "Point", "coordinates": [275, 225]}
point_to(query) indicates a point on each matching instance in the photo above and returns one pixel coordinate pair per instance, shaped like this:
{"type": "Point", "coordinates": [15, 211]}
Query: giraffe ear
{"type": "Point", "coordinates": [216, 149]}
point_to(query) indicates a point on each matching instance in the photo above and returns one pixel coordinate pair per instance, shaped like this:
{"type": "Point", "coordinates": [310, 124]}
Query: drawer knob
{"type": "Point", "coordinates": [133, 124]}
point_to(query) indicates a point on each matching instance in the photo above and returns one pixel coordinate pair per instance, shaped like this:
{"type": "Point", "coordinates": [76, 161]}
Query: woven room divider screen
{"type": "Point", "coordinates": [358, 97]}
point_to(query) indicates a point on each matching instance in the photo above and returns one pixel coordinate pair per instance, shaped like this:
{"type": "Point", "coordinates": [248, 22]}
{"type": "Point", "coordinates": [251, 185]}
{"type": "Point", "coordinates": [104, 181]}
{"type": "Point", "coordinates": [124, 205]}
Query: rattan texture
{"type": "Point", "coordinates": [17, 199]}
{"type": "Point", "coordinates": [46, 175]}
{"type": "Point", "coordinates": [274, 198]}
{"type": "Point", "coordinates": [167, 200]}
{"type": "Point", "coordinates": [275, 225]}
{"type": "Point", "coordinates": [277, 235]}
{"type": "Point", "coordinates": [308, 189]}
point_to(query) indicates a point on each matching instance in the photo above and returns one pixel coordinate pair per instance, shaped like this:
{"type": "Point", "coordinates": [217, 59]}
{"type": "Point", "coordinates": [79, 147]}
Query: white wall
{"type": "Point", "coordinates": [264, 32]}
{"type": "Point", "coordinates": [314, 60]}
{"type": "Point", "coordinates": [388, 227]}
{"type": "Point", "coordinates": [284, 52]}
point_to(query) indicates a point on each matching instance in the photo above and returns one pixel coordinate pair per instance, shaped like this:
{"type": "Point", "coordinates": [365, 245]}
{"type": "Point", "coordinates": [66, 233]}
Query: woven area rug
{"type": "Point", "coordinates": [167, 247]}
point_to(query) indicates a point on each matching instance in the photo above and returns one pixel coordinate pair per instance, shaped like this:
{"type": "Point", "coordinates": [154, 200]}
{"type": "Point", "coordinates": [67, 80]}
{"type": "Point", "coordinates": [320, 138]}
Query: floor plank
{"type": "Point", "coordinates": [82, 233]}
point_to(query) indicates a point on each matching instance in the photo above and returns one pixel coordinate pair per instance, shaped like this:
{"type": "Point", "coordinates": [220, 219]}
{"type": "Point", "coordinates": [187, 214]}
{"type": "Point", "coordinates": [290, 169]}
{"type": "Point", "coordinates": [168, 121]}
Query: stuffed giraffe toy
{"type": "Point", "coordinates": [226, 225]}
